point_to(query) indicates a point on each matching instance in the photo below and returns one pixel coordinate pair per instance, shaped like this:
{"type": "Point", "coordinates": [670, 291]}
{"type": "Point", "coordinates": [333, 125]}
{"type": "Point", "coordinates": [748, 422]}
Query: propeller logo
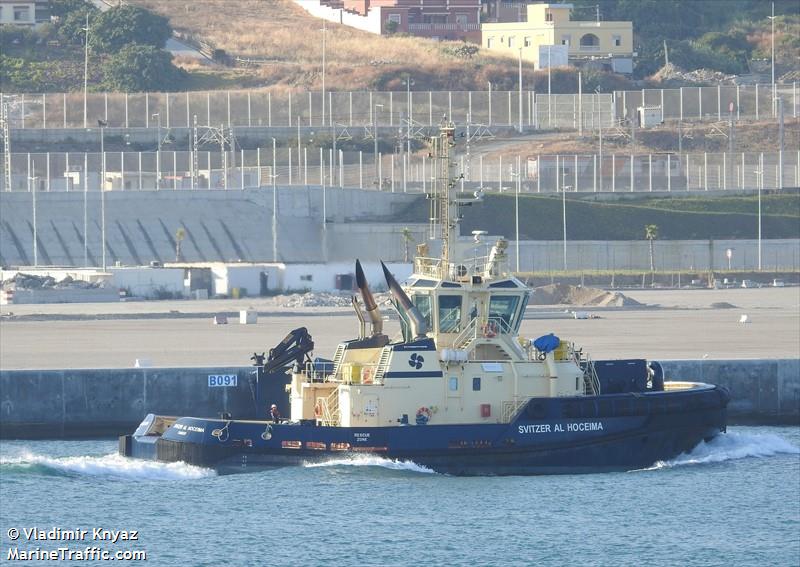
{"type": "Point", "coordinates": [416, 361]}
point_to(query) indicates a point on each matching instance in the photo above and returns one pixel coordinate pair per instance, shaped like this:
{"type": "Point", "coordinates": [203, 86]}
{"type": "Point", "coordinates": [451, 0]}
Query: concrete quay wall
{"type": "Point", "coordinates": [36, 404]}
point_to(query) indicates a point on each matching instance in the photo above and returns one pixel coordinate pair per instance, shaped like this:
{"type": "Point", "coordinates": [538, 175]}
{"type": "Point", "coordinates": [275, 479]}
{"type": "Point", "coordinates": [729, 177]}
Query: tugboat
{"type": "Point", "coordinates": [458, 391]}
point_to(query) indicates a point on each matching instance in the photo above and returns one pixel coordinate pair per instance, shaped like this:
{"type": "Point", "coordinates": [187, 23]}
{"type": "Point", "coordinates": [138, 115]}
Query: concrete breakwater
{"type": "Point", "coordinates": [38, 404]}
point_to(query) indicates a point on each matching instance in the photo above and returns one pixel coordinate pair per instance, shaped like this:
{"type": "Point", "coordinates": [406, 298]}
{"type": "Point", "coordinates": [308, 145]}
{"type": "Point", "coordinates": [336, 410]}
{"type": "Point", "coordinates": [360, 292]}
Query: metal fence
{"type": "Point", "coordinates": [401, 109]}
{"type": "Point", "coordinates": [401, 172]}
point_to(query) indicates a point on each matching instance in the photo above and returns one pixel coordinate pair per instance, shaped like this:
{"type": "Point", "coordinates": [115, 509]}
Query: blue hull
{"type": "Point", "coordinates": [549, 436]}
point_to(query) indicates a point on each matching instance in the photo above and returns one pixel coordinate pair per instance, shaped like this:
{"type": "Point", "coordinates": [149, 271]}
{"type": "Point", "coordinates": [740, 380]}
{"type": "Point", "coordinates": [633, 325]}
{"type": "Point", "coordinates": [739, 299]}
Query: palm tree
{"type": "Point", "coordinates": [651, 233]}
{"type": "Point", "coordinates": [408, 239]}
{"type": "Point", "coordinates": [180, 234]}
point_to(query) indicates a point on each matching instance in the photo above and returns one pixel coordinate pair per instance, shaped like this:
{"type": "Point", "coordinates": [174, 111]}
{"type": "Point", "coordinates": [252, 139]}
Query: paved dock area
{"type": "Point", "coordinates": [680, 324]}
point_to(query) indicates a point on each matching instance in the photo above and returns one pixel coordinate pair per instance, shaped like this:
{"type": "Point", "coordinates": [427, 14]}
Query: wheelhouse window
{"type": "Point", "coordinates": [423, 303]}
{"type": "Point", "coordinates": [449, 313]}
{"type": "Point", "coordinates": [503, 308]}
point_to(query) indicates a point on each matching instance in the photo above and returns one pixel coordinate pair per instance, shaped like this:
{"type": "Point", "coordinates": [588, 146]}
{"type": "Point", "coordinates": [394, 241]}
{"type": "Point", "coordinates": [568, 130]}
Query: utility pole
{"type": "Point", "coordinates": [324, 33]}
{"type": "Point", "coordinates": [195, 160]}
{"type": "Point", "coordinates": [375, 145]}
{"type": "Point", "coordinates": [102, 124]}
{"type": "Point", "coordinates": [600, 134]}
{"type": "Point", "coordinates": [32, 181]}
{"type": "Point", "coordinates": [157, 115]}
{"type": "Point", "coordinates": [520, 90]}
{"type": "Point", "coordinates": [274, 207]}
{"type": "Point", "coordinates": [774, 92]}
{"type": "Point", "coordinates": [85, 74]}
{"type": "Point", "coordinates": [780, 143]}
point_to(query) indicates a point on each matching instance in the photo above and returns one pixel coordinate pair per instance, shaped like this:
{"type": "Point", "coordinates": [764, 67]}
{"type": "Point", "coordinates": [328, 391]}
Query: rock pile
{"type": "Point", "coordinates": [672, 75]}
{"type": "Point", "coordinates": [30, 281]}
{"type": "Point", "coordinates": [565, 294]}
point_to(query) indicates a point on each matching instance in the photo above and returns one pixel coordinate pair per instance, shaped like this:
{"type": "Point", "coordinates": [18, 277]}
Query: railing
{"type": "Point", "coordinates": [591, 383]}
{"type": "Point", "coordinates": [330, 408]}
{"type": "Point", "coordinates": [383, 363]}
{"type": "Point", "coordinates": [465, 338]}
{"type": "Point", "coordinates": [510, 409]}
{"type": "Point", "coordinates": [444, 27]}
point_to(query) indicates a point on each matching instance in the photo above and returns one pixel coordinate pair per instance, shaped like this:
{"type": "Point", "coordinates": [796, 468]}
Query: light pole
{"type": "Point", "coordinates": [157, 116]}
{"type": "Point", "coordinates": [490, 102]}
{"type": "Point", "coordinates": [408, 81]}
{"type": "Point", "coordinates": [774, 94]}
{"type": "Point", "coordinates": [549, 93]}
{"type": "Point", "coordinates": [759, 183]}
{"type": "Point", "coordinates": [274, 206]}
{"type": "Point", "coordinates": [85, 74]}
{"type": "Point", "coordinates": [32, 180]}
{"type": "Point", "coordinates": [324, 31]}
{"type": "Point", "coordinates": [102, 124]}
{"type": "Point", "coordinates": [520, 90]}
{"type": "Point", "coordinates": [564, 212]}
{"type": "Point", "coordinates": [600, 135]}
{"type": "Point", "coordinates": [375, 140]}
{"type": "Point", "coordinates": [516, 209]}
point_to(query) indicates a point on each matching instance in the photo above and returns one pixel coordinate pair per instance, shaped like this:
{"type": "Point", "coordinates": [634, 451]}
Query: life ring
{"type": "Point", "coordinates": [424, 415]}
{"type": "Point", "coordinates": [318, 409]}
{"type": "Point", "coordinates": [490, 330]}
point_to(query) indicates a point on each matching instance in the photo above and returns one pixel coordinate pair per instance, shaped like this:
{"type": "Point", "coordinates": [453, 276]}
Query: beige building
{"type": "Point", "coordinates": [549, 38]}
{"type": "Point", "coordinates": [24, 12]}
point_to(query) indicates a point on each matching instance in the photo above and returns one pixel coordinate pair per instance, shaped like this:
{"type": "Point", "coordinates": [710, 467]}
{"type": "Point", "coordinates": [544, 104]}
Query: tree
{"type": "Point", "coordinates": [408, 239]}
{"type": "Point", "coordinates": [180, 234]}
{"type": "Point", "coordinates": [61, 8]}
{"type": "Point", "coordinates": [73, 24]}
{"type": "Point", "coordinates": [651, 233]}
{"type": "Point", "coordinates": [115, 28]}
{"type": "Point", "coordinates": [142, 68]}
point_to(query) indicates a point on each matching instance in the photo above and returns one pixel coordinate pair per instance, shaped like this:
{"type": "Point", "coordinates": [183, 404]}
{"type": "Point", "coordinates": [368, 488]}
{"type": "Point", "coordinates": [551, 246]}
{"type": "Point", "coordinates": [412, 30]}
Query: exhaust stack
{"type": "Point", "coordinates": [369, 301]}
{"type": "Point", "coordinates": [418, 326]}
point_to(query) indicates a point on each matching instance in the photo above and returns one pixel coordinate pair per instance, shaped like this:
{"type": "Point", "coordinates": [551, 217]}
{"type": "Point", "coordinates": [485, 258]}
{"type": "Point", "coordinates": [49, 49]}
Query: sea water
{"type": "Point", "coordinates": [732, 501]}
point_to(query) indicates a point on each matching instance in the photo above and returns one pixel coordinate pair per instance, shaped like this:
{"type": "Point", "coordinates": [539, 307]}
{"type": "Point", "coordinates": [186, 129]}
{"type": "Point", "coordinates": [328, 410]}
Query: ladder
{"type": "Point", "coordinates": [330, 408]}
{"type": "Point", "coordinates": [591, 383]}
{"type": "Point", "coordinates": [338, 357]}
{"type": "Point", "coordinates": [383, 364]}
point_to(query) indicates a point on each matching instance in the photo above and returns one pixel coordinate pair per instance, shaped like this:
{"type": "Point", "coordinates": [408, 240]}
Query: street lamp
{"type": "Point", "coordinates": [490, 102]}
{"type": "Point", "coordinates": [774, 94]}
{"type": "Point", "coordinates": [102, 125]}
{"type": "Point", "coordinates": [520, 90]}
{"type": "Point", "coordinates": [375, 141]}
{"type": "Point", "coordinates": [759, 184]}
{"type": "Point", "coordinates": [600, 135]}
{"type": "Point", "coordinates": [32, 182]}
{"type": "Point", "coordinates": [324, 31]}
{"type": "Point", "coordinates": [408, 82]}
{"type": "Point", "coordinates": [564, 212]}
{"type": "Point", "coordinates": [274, 205]}
{"type": "Point", "coordinates": [157, 116]}
{"type": "Point", "coordinates": [85, 74]}
{"type": "Point", "coordinates": [518, 175]}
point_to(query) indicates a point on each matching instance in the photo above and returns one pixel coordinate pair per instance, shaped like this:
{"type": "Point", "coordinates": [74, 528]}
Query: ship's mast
{"type": "Point", "coordinates": [444, 210]}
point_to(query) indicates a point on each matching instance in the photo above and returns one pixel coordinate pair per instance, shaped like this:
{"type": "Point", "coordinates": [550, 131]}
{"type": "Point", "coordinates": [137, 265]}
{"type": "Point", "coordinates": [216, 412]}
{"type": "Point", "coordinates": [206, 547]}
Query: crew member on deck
{"type": "Point", "coordinates": [274, 414]}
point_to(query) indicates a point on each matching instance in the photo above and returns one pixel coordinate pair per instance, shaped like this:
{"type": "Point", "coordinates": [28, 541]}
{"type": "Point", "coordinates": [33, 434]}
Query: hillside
{"type": "Point", "coordinates": [285, 43]}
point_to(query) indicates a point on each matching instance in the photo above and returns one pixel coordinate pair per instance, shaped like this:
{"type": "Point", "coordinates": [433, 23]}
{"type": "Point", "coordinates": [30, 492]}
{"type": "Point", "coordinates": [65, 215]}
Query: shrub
{"type": "Point", "coordinates": [142, 68]}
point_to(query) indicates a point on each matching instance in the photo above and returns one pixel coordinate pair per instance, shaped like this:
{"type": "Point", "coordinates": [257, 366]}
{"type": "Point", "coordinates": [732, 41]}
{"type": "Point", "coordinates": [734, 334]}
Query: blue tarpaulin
{"type": "Point", "coordinates": [547, 343]}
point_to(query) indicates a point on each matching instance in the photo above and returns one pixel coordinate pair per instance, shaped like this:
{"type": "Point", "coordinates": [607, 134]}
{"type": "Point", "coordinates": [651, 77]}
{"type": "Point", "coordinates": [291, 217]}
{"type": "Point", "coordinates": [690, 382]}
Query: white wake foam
{"type": "Point", "coordinates": [372, 461]}
{"type": "Point", "coordinates": [112, 466]}
{"type": "Point", "coordinates": [731, 446]}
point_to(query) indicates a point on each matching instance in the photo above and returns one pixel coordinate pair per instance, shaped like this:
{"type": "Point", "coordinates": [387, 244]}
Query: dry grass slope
{"type": "Point", "coordinates": [288, 42]}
